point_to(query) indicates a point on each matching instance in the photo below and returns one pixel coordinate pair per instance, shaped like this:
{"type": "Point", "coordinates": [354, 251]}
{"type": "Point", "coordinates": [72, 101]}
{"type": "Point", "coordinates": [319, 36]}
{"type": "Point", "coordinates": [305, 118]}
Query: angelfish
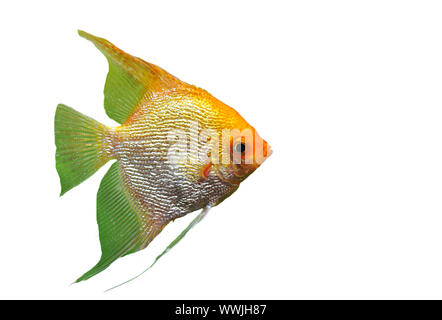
{"type": "Point", "coordinates": [178, 149]}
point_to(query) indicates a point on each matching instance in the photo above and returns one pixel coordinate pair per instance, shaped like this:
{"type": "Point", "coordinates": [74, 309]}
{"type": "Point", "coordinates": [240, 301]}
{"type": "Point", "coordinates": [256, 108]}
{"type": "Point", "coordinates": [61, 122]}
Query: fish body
{"type": "Point", "coordinates": [143, 145]}
{"type": "Point", "coordinates": [178, 149]}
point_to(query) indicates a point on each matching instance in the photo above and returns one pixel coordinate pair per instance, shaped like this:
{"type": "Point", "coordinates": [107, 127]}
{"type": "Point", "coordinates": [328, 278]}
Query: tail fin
{"type": "Point", "coordinates": [81, 148]}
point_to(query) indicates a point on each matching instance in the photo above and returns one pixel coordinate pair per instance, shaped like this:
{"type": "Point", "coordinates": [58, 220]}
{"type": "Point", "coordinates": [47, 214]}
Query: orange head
{"type": "Point", "coordinates": [241, 150]}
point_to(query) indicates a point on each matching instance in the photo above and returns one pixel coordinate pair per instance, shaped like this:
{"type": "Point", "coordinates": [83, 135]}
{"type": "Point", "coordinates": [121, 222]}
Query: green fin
{"type": "Point", "coordinates": [79, 141]}
{"type": "Point", "coordinates": [129, 80]}
{"type": "Point", "coordinates": [194, 222]}
{"type": "Point", "coordinates": [121, 227]}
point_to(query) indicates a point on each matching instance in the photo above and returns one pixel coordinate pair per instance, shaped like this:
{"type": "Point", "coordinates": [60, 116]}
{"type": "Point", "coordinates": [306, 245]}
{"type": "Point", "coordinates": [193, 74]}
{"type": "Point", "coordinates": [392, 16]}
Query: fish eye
{"type": "Point", "coordinates": [240, 147]}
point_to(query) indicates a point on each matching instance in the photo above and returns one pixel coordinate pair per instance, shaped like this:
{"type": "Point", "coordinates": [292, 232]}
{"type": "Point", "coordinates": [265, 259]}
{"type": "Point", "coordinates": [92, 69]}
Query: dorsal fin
{"type": "Point", "coordinates": [129, 80]}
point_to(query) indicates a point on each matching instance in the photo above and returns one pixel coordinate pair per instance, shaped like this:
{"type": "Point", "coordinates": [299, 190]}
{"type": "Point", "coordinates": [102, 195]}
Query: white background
{"type": "Point", "coordinates": [348, 93]}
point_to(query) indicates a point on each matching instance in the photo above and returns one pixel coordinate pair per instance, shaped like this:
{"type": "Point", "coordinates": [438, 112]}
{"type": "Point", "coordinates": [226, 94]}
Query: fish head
{"type": "Point", "coordinates": [242, 150]}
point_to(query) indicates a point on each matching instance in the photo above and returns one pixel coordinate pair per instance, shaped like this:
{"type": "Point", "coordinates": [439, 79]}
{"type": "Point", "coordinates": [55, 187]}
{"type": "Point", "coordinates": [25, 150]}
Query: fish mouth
{"type": "Point", "coordinates": [235, 173]}
{"type": "Point", "coordinates": [260, 158]}
{"type": "Point", "coordinates": [267, 151]}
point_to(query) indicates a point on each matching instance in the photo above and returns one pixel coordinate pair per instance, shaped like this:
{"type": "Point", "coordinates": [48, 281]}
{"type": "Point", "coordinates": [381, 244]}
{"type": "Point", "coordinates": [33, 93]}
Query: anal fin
{"type": "Point", "coordinates": [193, 223]}
{"type": "Point", "coordinates": [122, 228]}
